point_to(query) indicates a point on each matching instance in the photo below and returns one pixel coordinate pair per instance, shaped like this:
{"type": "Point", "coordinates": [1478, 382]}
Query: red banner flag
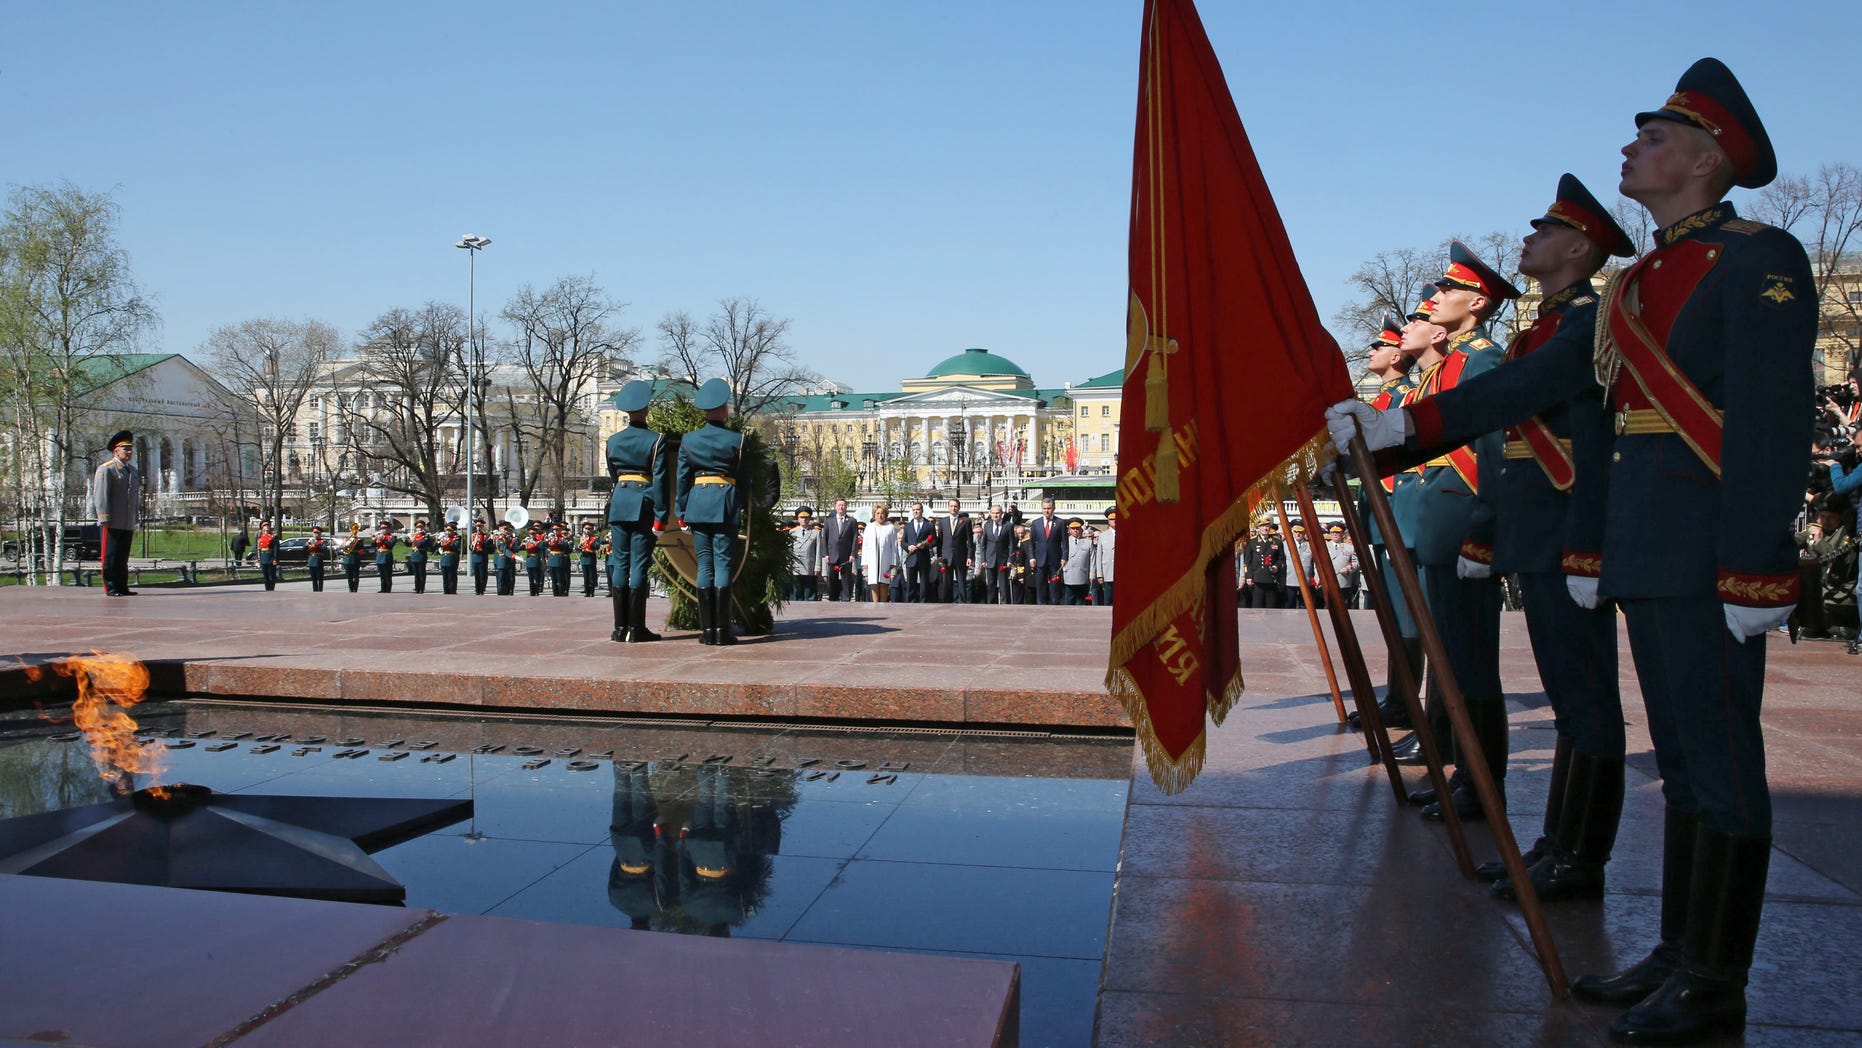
{"type": "Point", "coordinates": [1228, 373]}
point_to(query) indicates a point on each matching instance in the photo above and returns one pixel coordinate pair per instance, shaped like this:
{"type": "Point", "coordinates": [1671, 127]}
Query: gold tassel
{"type": "Point", "coordinates": [1165, 482]}
{"type": "Point", "coordinates": [1156, 395]}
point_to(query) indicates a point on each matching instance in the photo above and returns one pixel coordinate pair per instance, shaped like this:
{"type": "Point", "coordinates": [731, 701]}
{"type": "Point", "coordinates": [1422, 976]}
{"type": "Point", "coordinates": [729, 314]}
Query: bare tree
{"type": "Point", "coordinates": [273, 364]}
{"type": "Point", "coordinates": [408, 360]}
{"type": "Point", "coordinates": [567, 338]}
{"type": "Point", "coordinates": [67, 303]}
{"type": "Point", "coordinates": [741, 343]}
{"type": "Point", "coordinates": [1825, 211]}
{"type": "Point", "coordinates": [1387, 282]}
{"type": "Point", "coordinates": [1635, 221]}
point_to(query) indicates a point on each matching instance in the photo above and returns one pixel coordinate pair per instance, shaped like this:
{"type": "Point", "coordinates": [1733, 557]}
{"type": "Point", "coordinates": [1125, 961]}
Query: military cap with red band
{"type": "Point", "coordinates": [1392, 333]}
{"type": "Point", "coordinates": [1577, 209]}
{"type": "Point", "coordinates": [1425, 308]}
{"type": "Point", "coordinates": [1467, 271]}
{"type": "Point", "coordinates": [1709, 97]}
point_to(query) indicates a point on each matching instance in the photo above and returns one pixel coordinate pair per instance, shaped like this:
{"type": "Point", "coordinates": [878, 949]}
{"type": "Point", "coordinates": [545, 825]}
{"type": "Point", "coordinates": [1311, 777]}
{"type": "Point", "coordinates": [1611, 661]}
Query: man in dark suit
{"type": "Point", "coordinates": [956, 551]}
{"type": "Point", "coordinates": [840, 531]}
{"type": "Point", "coordinates": [1049, 535]}
{"type": "Point", "coordinates": [915, 541]}
{"type": "Point", "coordinates": [992, 552]}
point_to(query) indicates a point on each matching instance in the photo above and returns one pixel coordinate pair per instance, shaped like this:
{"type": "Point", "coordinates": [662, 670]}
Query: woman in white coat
{"type": "Point", "coordinates": [879, 554]}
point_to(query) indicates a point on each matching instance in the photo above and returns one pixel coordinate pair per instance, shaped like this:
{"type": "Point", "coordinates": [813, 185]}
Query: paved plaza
{"type": "Point", "coordinates": [1284, 898]}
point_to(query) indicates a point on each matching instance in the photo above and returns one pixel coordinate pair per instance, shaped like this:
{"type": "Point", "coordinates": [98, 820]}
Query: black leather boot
{"type": "Point", "coordinates": [637, 615]}
{"type": "Point", "coordinates": [1490, 729]}
{"type": "Point", "coordinates": [721, 618]}
{"type": "Point", "coordinates": [1643, 978]}
{"type": "Point", "coordinates": [1408, 750]}
{"type": "Point", "coordinates": [1426, 795]}
{"type": "Point", "coordinates": [1706, 996]}
{"type": "Point", "coordinates": [1585, 838]}
{"type": "Point", "coordinates": [707, 633]}
{"type": "Point", "coordinates": [1548, 835]}
{"type": "Point", "coordinates": [622, 611]}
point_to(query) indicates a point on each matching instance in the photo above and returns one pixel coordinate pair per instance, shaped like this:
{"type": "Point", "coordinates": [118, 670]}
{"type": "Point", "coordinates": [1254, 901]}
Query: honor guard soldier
{"type": "Point", "coordinates": [1574, 647]}
{"type": "Point", "coordinates": [419, 544]}
{"type": "Point", "coordinates": [352, 556]}
{"type": "Point", "coordinates": [478, 555]}
{"type": "Point", "coordinates": [637, 511]}
{"type": "Point", "coordinates": [314, 551]}
{"type": "Point", "coordinates": [384, 556]}
{"type": "Point", "coordinates": [561, 545]}
{"type": "Point", "coordinates": [588, 552]}
{"type": "Point", "coordinates": [505, 555]}
{"type": "Point", "coordinates": [268, 555]}
{"type": "Point", "coordinates": [710, 459]}
{"type": "Point", "coordinates": [1391, 364]}
{"type": "Point", "coordinates": [535, 547]}
{"type": "Point", "coordinates": [449, 558]}
{"type": "Point", "coordinates": [116, 498]}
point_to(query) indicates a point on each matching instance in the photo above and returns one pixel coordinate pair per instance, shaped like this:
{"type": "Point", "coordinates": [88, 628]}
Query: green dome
{"type": "Point", "coordinates": [976, 361]}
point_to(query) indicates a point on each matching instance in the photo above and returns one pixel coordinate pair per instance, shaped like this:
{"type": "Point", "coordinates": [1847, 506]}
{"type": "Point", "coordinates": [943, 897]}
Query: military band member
{"type": "Point", "coordinates": [560, 547]}
{"type": "Point", "coordinates": [352, 556]}
{"type": "Point", "coordinates": [710, 460]}
{"type": "Point", "coordinates": [505, 554]}
{"type": "Point", "coordinates": [314, 551]}
{"type": "Point", "coordinates": [535, 547]}
{"type": "Point", "coordinates": [448, 544]}
{"type": "Point", "coordinates": [268, 555]}
{"type": "Point", "coordinates": [478, 556]}
{"type": "Point", "coordinates": [384, 556]}
{"type": "Point", "coordinates": [637, 511]}
{"type": "Point", "coordinates": [588, 554]}
{"type": "Point", "coordinates": [419, 544]}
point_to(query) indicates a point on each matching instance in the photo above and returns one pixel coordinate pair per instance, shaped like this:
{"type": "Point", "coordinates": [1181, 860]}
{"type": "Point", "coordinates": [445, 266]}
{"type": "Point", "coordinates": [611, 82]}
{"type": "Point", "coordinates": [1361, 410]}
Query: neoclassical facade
{"type": "Point", "coordinates": [976, 418]}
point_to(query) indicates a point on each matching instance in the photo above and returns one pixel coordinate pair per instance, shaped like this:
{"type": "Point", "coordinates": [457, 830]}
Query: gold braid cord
{"type": "Point", "coordinates": [1606, 361]}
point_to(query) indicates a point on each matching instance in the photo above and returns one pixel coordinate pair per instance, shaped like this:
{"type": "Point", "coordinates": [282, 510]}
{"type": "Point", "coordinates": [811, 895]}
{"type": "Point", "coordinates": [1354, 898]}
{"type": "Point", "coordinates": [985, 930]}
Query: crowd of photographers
{"type": "Point", "coordinates": [1828, 536]}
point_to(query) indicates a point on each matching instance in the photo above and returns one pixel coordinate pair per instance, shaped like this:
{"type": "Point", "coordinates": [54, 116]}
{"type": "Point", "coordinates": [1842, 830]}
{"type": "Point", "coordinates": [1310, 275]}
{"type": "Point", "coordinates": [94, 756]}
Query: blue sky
{"type": "Point", "coordinates": [901, 181]}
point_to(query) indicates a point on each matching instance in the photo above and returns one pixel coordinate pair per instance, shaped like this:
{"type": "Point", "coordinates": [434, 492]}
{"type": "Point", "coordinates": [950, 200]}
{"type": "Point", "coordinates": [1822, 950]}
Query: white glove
{"type": "Point", "coordinates": [1381, 429]}
{"type": "Point", "coordinates": [1746, 622]}
{"type": "Point", "coordinates": [1583, 590]}
{"type": "Point", "coordinates": [1472, 569]}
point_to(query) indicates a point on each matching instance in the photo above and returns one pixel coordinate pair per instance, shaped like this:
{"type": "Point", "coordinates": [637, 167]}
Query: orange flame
{"type": "Point", "coordinates": [108, 684]}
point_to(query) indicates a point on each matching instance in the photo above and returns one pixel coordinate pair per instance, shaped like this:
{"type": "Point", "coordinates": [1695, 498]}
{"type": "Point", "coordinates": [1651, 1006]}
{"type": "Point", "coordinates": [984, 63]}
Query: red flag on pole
{"type": "Point", "coordinates": [1228, 372]}
{"type": "Point", "coordinates": [1073, 456]}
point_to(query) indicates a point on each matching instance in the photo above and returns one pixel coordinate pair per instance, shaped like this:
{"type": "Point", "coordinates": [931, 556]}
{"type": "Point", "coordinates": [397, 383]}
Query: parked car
{"type": "Point", "coordinates": [295, 549]}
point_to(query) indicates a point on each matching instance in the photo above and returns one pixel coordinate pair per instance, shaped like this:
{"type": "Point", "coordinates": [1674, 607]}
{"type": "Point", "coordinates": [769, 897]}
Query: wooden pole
{"type": "Point", "coordinates": [1361, 690]}
{"type": "Point", "coordinates": [1312, 615]}
{"type": "Point", "coordinates": [1406, 679]}
{"type": "Point", "coordinates": [1450, 689]}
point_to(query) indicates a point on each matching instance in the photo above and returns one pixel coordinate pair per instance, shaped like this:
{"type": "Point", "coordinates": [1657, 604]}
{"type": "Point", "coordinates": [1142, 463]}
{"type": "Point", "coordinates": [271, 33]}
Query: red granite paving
{"type": "Point", "coordinates": [950, 664]}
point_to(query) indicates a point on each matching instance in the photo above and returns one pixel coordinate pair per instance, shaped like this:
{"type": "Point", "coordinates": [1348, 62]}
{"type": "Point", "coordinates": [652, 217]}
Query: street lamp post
{"type": "Point", "coordinates": [472, 244]}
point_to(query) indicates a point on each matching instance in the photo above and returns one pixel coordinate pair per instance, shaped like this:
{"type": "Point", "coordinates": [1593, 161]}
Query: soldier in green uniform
{"type": "Point", "coordinates": [449, 558]}
{"type": "Point", "coordinates": [504, 550]}
{"type": "Point", "coordinates": [268, 555]}
{"type": "Point", "coordinates": [478, 556]}
{"type": "Point", "coordinates": [352, 556]}
{"type": "Point", "coordinates": [560, 545]}
{"type": "Point", "coordinates": [710, 459]}
{"type": "Point", "coordinates": [637, 511]}
{"type": "Point", "coordinates": [419, 544]}
{"type": "Point", "coordinates": [588, 554]}
{"type": "Point", "coordinates": [384, 556]}
{"type": "Point", "coordinates": [535, 546]}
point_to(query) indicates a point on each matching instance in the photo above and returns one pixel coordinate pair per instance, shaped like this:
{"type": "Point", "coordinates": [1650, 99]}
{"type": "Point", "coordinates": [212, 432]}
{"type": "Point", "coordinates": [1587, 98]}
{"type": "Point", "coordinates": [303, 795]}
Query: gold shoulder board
{"type": "Point", "coordinates": [1583, 300]}
{"type": "Point", "coordinates": [1743, 225]}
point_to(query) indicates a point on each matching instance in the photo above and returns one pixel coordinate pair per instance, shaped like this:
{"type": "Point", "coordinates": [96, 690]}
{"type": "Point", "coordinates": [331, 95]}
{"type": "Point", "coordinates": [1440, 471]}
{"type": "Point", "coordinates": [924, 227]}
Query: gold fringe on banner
{"type": "Point", "coordinates": [1219, 534]}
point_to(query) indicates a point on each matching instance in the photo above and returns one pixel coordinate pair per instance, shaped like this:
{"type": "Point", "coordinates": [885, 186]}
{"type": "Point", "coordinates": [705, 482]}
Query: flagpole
{"type": "Point", "coordinates": [1491, 802]}
{"type": "Point", "coordinates": [1312, 618]}
{"type": "Point", "coordinates": [1362, 691]}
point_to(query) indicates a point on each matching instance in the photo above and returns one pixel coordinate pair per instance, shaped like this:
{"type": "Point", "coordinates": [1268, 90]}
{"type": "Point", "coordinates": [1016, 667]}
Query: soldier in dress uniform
{"type": "Point", "coordinates": [710, 459]}
{"type": "Point", "coordinates": [637, 511]}
{"type": "Point", "coordinates": [561, 546]}
{"type": "Point", "coordinates": [449, 558]}
{"type": "Point", "coordinates": [504, 557]}
{"type": "Point", "coordinates": [1264, 566]}
{"type": "Point", "coordinates": [384, 556]}
{"type": "Point", "coordinates": [314, 551]}
{"type": "Point", "coordinates": [1575, 648]}
{"type": "Point", "coordinates": [268, 555]}
{"type": "Point", "coordinates": [535, 547]}
{"type": "Point", "coordinates": [1453, 529]}
{"type": "Point", "coordinates": [419, 544]}
{"type": "Point", "coordinates": [116, 498]}
{"type": "Point", "coordinates": [588, 556]}
{"type": "Point", "coordinates": [1391, 363]}
{"type": "Point", "coordinates": [352, 556]}
{"type": "Point", "coordinates": [479, 547]}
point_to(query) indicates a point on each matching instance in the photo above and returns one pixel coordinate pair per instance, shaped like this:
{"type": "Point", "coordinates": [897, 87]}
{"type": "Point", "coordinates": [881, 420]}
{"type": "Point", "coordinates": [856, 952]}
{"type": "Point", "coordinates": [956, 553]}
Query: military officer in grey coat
{"type": "Point", "coordinates": [710, 460]}
{"type": "Point", "coordinates": [116, 496]}
{"type": "Point", "coordinates": [637, 511]}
